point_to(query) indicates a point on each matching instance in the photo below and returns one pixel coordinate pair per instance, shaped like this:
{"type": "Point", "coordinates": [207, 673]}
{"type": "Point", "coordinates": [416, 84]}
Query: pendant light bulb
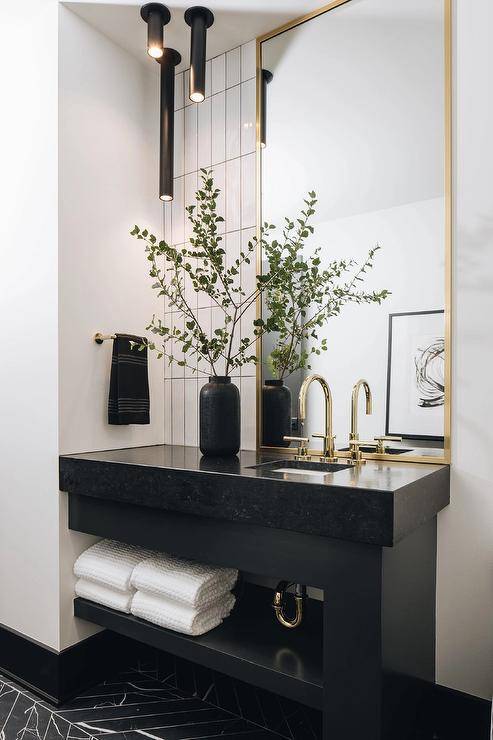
{"type": "Point", "coordinates": [199, 19]}
{"type": "Point", "coordinates": [169, 60]}
{"type": "Point", "coordinates": [156, 16]}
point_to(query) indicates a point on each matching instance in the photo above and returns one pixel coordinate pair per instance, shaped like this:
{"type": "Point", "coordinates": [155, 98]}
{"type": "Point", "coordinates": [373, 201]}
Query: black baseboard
{"type": "Point", "coordinates": [458, 716]}
{"type": "Point", "coordinates": [58, 676]}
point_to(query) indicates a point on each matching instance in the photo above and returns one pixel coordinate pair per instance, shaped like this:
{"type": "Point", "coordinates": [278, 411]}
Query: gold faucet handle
{"type": "Point", "coordinates": [329, 450]}
{"type": "Point", "coordinates": [356, 454]}
{"type": "Point", "coordinates": [385, 438]}
{"type": "Point", "coordinates": [302, 446]}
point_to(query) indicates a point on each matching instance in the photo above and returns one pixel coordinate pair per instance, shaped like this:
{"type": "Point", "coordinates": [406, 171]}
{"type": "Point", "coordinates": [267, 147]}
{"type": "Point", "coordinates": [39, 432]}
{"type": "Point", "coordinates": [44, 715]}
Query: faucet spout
{"type": "Point", "coordinates": [354, 435]}
{"type": "Point", "coordinates": [328, 436]}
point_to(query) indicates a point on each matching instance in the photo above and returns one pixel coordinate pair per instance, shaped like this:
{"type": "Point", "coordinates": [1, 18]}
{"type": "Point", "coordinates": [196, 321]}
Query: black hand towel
{"type": "Point", "coordinates": [129, 385]}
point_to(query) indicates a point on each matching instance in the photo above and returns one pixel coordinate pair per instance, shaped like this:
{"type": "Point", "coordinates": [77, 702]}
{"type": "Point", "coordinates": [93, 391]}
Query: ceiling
{"type": "Point", "coordinates": [236, 22]}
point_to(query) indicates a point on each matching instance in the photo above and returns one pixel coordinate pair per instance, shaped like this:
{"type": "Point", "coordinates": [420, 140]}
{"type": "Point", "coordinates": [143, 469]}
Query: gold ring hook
{"type": "Point", "coordinates": [278, 604]}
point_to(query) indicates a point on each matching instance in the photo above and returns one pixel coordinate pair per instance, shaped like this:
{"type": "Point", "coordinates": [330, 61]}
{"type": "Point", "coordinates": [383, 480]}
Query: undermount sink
{"type": "Point", "coordinates": [388, 450]}
{"type": "Point", "coordinates": [301, 467]}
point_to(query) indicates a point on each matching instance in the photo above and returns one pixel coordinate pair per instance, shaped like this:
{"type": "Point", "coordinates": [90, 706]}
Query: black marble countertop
{"type": "Point", "coordinates": [378, 503]}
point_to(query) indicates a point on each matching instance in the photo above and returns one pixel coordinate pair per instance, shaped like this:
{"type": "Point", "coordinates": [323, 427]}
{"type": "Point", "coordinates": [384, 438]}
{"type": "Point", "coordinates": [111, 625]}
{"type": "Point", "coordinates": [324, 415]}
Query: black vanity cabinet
{"type": "Point", "coordinates": [367, 538]}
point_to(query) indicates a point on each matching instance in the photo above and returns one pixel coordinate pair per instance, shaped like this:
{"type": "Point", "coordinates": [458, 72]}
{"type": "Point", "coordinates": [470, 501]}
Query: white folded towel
{"type": "Point", "coordinates": [110, 563]}
{"type": "Point", "coordinates": [187, 582]}
{"type": "Point", "coordinates": [120, 600]}
{"type": "Point", "coordinates": [179, 617]}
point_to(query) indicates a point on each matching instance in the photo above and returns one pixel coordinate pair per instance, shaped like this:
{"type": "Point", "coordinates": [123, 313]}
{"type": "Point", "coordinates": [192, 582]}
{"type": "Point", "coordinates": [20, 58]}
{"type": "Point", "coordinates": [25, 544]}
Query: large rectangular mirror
{"type": "Point", "coordinates": [354, 113]}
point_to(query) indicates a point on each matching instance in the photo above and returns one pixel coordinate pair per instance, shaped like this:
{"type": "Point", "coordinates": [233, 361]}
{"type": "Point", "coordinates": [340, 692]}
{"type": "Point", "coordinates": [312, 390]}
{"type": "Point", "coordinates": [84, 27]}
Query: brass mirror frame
{"type": "Point", "coordinates": [445, 458]}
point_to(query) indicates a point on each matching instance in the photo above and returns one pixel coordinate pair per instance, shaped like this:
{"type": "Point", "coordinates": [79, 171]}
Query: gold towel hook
{"type": "Point", "coordinates": [299, 598]}
{"type": "Point", "coordinates": [100, 338]}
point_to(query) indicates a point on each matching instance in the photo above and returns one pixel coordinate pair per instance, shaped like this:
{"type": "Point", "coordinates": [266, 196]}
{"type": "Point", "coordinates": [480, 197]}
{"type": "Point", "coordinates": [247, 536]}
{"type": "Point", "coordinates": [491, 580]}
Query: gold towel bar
{"type": "Point", "coordinates": [100, 338]}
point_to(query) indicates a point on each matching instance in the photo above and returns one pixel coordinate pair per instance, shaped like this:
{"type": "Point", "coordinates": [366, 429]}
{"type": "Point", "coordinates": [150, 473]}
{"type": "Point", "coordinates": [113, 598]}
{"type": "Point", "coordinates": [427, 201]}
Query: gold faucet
{"type": "Point", "coordinates": [354, 443]}
{"type": "Point", "coordinates": [328, 436]}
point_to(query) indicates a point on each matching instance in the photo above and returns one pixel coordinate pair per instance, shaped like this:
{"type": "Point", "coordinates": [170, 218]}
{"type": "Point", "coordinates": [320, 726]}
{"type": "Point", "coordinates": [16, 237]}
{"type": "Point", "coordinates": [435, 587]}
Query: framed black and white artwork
{"type": "Point", "coordinates": [416, 375]}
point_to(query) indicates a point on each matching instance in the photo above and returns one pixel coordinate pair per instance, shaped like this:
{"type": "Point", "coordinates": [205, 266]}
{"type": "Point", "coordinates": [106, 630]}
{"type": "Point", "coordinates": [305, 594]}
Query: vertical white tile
{"type": "Point", "coordinates": [191, 138]}
{"type": "Point", "coordinates": [208, 78]}
{"type": "Point", "coordinates": [204, 134]}
{"type": "Point", "coordinates": [190, 292]}
{"type": "Point", "coordinates": [219, 174]}
{"type": "Point", "coordinates": [168, 207]}
{"type": "Point", "coordinates": [248, 282]}
{"type": "Point", "coordinates": [248, 60]}
{"type": "Point", "coordinates": [217, 322]}
{"type": "Point", "coordinates": [168, 413]}
{"type": "Point", "coordinates": [233, 194]}
{"type": "Point", "coordinates": [233, 120]}
{"type": "Point", "coordinates": [191, 412]}
{"type": "Point", "coordinates": [179, 143]}
{"type": "Point", "coordinates": [218, 74]}
{"type": "Point", "coordinates": [190, 200]}
{"type": "Point", "coordinates": [233, 67]}
{"type": "Point", "coordinates": [204, 317]}
{"type": "Point", "coordinates": [233, 254]}
{"type": "Point", "coordinates": [248, 270]}
{"type": "Point", "coordinates": [248, 191]}
{"type": "Point", "coordinates": [249, 414]}
{"type": "Point", "coordinates": [178, 416]}
{"type": "Point", "coordinates": [179, 100]}
{"type": "Point", "coordinates": [248, 117]}
{"type": "Point", "coordinates": [218, 127]}
{"type": "Point", "coordinates": [178, 212]}
{"type": "Point", "coordinates": [247, 332]}
{"type": "Point", "coordinates": [232, 249]}
{"type": "Point", "coordinates": [177, 320]}
{"type": "Point", "coordinates": [186, 87]}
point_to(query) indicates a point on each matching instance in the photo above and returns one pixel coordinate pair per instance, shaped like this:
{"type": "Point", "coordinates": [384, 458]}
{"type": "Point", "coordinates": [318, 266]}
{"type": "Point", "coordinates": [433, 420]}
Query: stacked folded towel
{"type": "Point", "coordinates": [104, 572]}
{"type": "Point", "coordinates": [182, 595]}
{"type": "Point", "coordinates": [171, 592]}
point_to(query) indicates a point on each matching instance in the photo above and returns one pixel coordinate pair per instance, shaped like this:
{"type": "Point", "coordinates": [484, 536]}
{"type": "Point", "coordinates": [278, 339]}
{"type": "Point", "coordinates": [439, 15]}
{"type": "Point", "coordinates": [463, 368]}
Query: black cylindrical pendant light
{"type": "Point", "coordinates": [199, 19]}
{"type": "Point", "coordinates": [168, 62]}
{"type": "Point", "coordinates": [156, 16]}
{"type": "Point", "coordinates": [266, 78]}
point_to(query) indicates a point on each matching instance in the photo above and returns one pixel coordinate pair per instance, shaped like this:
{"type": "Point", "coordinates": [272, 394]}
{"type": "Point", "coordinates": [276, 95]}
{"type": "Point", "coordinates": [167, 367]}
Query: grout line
{"type": "Point", "coordinates": [219, 92]}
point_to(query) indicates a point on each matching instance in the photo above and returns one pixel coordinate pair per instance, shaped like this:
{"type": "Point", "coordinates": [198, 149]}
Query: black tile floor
{"type": "Point", "coordinates": [134, 705]}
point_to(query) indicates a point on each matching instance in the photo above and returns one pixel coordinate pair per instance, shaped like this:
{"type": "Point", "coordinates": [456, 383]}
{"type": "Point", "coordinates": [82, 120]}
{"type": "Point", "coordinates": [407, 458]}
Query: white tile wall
{"type": "Point", "coordinates": [220, 132]}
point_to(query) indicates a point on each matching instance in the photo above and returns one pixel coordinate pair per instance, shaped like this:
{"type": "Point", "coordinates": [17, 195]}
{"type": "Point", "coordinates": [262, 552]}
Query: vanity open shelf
{"type": "Point", "coordinates": [250, 645]}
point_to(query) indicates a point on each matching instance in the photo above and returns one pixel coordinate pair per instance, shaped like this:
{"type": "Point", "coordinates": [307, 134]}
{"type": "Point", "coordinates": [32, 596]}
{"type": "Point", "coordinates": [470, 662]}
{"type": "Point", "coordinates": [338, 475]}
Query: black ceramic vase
{"type": "Point", "coordinates": [220, 426]}
{"type": "Point", "coordinates": [276, 413]}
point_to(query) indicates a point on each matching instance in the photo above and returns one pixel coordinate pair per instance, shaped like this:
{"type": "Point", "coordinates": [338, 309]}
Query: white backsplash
{"type": "Point", "coordinates": [218, 133]}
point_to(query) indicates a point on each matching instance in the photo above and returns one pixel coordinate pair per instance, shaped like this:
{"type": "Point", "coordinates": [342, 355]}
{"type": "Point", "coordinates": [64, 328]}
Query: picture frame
{"type": "Point", "coordinates": [416, 375]}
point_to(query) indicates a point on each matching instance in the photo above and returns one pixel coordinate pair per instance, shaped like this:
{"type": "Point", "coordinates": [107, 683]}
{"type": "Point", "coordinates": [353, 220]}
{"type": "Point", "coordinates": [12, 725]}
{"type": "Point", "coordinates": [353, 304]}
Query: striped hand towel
{"type": "Point", "coordinates": [129, 384]}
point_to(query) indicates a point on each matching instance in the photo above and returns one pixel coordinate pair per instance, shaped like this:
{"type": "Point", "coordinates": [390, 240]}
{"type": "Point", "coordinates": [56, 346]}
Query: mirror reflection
{"type": "Point", "coordinates": [353, 178]}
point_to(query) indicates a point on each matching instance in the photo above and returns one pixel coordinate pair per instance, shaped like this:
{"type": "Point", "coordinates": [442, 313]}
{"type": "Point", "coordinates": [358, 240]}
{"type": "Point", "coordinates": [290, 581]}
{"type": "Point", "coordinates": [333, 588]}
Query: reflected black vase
{"type": "Point", "coordinates": [276, 413]}
{"type": "Point", "coordinates": [220, 425]}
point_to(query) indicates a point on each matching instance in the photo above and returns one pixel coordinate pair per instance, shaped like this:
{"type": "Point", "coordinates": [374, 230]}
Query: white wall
{"type": "Point", "coordinates": [28, 320]}
{"type": "Point", "coordinates": [465, 534]}
{"type": "Point", "coordinates": [218, 133]}
{"type": "Point", "coordinates": [108, 144]}
{"type": "Point", "coordinates": [108, 147]}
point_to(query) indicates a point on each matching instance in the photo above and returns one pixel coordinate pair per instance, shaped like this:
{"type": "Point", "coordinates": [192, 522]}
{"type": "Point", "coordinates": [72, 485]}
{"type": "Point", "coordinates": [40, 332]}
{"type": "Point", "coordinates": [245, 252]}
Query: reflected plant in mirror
{"type": "Point", "coordinates": [304, 289]}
